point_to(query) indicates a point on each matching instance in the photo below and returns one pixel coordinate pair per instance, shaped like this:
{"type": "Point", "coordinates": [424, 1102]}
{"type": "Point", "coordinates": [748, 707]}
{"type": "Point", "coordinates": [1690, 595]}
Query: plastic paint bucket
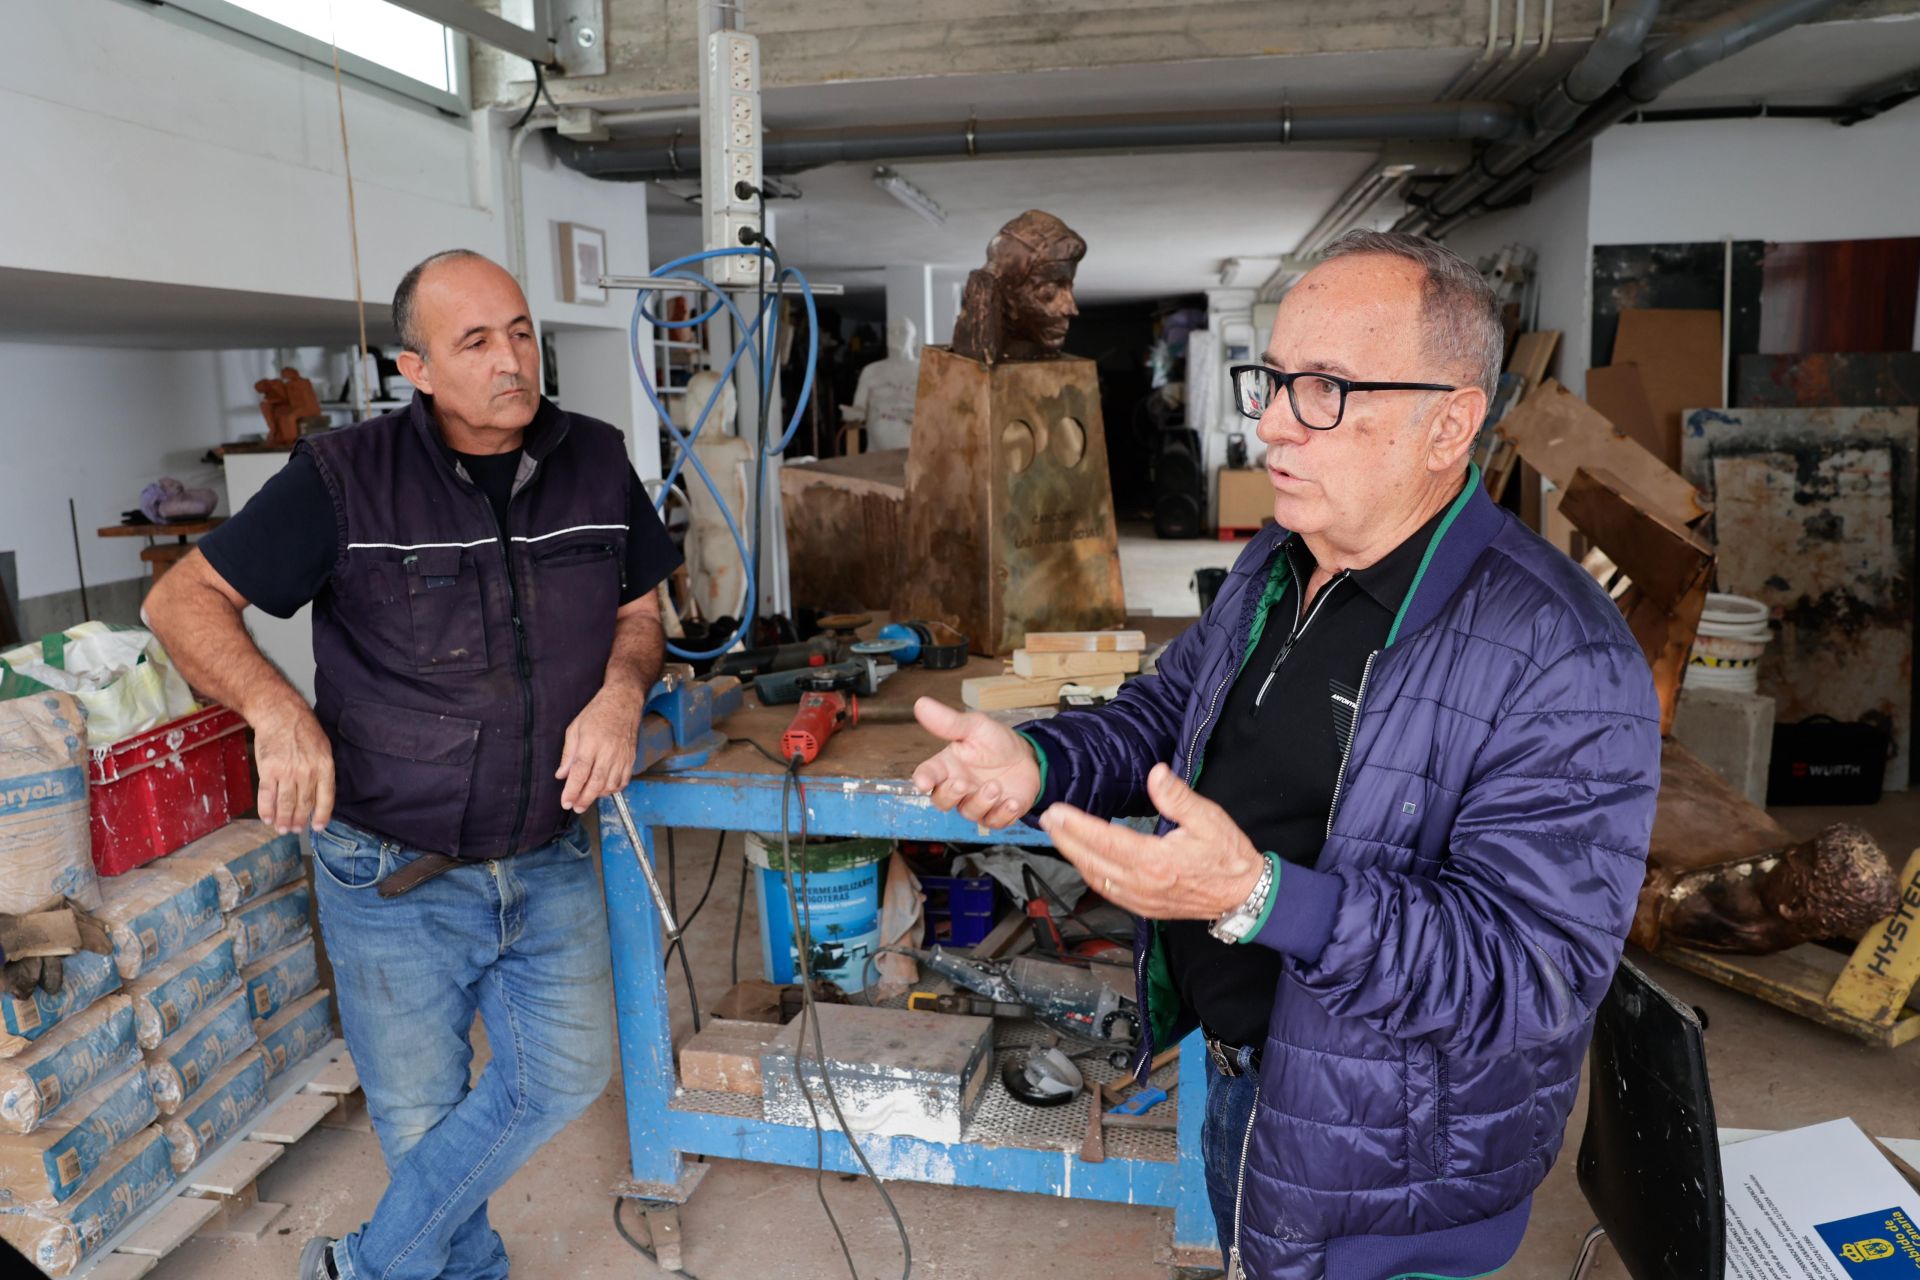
{"type": "Point", "coordinates": [1733, 635]}
{"type": "Point", "coordinates": [836, 884]}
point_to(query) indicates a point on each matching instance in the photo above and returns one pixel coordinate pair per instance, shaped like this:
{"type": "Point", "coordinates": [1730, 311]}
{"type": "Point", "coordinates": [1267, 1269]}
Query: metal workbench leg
{"type": "Point", "coordinates": [640, 1001]}
{"type": "Point", "coordinates": [1195, 1239]}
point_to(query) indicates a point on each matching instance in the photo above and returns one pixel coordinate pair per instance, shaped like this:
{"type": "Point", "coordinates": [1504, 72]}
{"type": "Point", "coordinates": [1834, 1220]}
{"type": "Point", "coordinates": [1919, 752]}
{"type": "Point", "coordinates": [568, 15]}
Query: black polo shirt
{"type": "Point", "coordinates": [1274, 758]}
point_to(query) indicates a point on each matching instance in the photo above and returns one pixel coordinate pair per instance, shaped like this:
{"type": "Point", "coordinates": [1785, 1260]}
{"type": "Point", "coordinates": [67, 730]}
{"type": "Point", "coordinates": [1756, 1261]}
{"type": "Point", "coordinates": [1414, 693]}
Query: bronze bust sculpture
{"type": "Point", "coordinates": [1017, 307]}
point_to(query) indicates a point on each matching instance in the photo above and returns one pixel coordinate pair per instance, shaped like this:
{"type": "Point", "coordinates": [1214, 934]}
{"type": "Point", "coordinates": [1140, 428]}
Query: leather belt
{"type": "Point", "coordinates": [1226, 1057]}
{"type": "Point", "coordinates": [414, 874]}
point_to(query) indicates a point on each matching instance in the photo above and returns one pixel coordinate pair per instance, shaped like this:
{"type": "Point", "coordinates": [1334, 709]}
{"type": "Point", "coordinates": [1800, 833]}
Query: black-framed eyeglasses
{"type": "Point", "coordinates": [1319, 399]}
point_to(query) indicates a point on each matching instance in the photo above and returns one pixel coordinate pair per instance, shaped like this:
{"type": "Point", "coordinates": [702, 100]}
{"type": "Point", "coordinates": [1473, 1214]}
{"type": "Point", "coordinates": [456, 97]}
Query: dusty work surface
{"type": "Point", "coordinates": [888, 744]}
{"type": "Point", "coordinates": [759, 1222]}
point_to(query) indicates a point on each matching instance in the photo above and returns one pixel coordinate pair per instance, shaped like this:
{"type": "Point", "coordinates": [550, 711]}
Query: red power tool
{"type": "Point", "coordinates": [827, 705]}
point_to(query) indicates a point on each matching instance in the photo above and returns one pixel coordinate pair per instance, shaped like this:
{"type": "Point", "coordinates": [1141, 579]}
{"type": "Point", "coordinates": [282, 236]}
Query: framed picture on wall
{"type": "Point", "coordinates": [583, 260]}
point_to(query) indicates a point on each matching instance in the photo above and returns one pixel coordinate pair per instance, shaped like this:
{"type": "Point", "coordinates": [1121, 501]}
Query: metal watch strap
{"type": "Point", "coordinates": [1233, 926]}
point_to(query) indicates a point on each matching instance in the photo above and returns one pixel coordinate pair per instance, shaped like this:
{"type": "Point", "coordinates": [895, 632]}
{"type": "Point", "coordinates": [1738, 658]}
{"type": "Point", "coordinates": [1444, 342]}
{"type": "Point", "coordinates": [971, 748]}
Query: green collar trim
{"type": "Point", "coordinates": [1433, 545]}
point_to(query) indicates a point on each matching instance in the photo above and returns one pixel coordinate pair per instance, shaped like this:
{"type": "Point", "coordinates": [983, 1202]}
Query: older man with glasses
{"type": "Point", "coordinates": [1404, 771]}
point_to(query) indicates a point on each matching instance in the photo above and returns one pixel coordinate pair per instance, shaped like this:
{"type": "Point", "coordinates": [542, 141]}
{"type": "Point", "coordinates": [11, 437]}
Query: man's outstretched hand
{"type": "Point", "coordinates": [1203, 868]}
{"type": "Point", "coordinates": [986, 771]}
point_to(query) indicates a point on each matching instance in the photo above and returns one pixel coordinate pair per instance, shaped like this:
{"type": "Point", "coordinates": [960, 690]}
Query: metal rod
{"type": "Point", "coordinates": [646, 866]}
{"type": "Point", "coordinates": [668, 284]}
{"type": "Point", "coordinates": [488, 28]}
{"type": "Point", "coordinates": [79, 566]}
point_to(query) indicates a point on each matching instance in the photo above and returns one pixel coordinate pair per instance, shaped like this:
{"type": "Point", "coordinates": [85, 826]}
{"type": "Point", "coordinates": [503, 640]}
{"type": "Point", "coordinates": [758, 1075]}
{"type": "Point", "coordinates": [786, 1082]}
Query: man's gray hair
{"type": "Point", "coordinates": [1464, 332]}
{"type": "Point", "coordinates": [403, 318]}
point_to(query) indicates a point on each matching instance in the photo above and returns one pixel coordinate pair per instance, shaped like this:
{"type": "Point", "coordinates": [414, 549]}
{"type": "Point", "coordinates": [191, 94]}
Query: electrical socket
{"type": "Point", "coordinates": [742, 169]}
{"type": "Point", "coordinates": [742, 107]}
{"type": "Point", "coordinates": [742, 133]}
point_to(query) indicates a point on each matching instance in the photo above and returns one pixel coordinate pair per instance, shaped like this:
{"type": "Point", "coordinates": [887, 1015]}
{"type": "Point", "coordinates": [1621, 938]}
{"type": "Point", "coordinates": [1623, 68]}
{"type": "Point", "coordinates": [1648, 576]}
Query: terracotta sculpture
{"type": "Point", "coordinates": [283, 427]}
{"type": "Point", "coordinates": [1017, 307]}
{"type": "Point", "coordinates": [1832, 886]}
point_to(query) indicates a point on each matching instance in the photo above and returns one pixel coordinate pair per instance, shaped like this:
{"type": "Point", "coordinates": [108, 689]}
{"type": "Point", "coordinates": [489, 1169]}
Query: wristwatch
{"type": "Point", "coordinates": [1239, 923]}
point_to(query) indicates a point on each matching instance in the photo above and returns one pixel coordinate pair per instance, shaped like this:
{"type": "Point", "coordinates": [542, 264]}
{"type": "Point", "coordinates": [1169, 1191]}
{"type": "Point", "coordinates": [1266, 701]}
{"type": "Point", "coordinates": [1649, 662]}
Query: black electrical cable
{"type": "Point", "coordinates": [713, 872]}
{"type": "Point", "coordinates": [641, 1249]}
{"type": "Point", "coordinates": [739, 915]}
{"type": "Point", "coordinates": [802, 914]}
{"type": "Point", "coordinates": [673, 877]}
{"type": "Point", "coordinates": [539, 88]}
{"type": "Point", "coordinates": [768, 373]}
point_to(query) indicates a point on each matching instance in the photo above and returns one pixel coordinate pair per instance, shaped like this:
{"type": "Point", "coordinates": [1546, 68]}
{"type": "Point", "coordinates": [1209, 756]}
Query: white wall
{"type": "Point", "coordinates": [96, 426]}
{"type": "Point", "coordinates": [1555, 224]}
{"type": "Point", "coordinates": [148, 146]}
{"type": "Point", "coordinates": [1757, 180]}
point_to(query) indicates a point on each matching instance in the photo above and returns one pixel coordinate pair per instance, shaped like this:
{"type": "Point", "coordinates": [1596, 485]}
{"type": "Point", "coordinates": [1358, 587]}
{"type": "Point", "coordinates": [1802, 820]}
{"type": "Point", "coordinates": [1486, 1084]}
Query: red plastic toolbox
{"type": "Point", "coordinates": [157, 791]}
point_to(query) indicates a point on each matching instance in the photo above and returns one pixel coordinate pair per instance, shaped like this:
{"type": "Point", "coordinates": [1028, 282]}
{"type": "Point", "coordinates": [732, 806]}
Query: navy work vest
{"type": "Point", "coordinates": [452, 654]}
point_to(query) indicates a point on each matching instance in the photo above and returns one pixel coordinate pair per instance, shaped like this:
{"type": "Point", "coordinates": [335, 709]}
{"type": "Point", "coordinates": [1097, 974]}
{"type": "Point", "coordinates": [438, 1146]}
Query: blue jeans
{"type": "Point", "coordinates": [522, 941]}
{"type": "Point", "coordinates": [1222, 1135]}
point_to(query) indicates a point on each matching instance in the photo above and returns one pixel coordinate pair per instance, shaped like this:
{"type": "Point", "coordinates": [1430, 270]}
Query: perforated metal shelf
{"type": "Point", "coordinates": [1003, 1121]}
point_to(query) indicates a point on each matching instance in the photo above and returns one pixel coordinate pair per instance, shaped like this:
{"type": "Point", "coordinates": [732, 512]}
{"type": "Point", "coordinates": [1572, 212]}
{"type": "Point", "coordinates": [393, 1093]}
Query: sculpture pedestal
{"type": "Point", "coordinates": [1010, 524]}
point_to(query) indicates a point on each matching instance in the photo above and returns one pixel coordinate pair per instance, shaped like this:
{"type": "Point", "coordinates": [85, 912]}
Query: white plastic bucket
{"type": "Point", "coordinates": [1733, 636]}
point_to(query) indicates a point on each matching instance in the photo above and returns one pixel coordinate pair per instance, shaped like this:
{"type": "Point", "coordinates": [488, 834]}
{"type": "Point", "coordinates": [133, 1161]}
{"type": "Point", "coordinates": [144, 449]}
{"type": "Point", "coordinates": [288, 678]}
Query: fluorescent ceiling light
{"type": "Point", "coordinates": [909, 195]}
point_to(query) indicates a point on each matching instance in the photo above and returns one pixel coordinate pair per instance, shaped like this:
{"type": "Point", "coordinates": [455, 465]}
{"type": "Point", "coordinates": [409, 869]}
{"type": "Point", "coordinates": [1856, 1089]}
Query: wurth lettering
{"type": "Point", "coordinates": [1898, 927]}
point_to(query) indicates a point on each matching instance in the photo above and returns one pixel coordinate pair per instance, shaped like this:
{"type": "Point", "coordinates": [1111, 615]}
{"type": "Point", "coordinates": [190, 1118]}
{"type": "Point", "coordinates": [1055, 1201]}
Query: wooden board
{"type": "Point", "coordinates": [169, 1228]}
{"type": "Point", "coordinates": [1798, 981]}
{"type": "Point", "coordinates": [338, 1076]}
{"type": "Point", "coordinates": [242, 1221]}
{"type": "Point", "coordinates": [1073, 666]}
{"type": "Point", "coordinates": [294, 1118]}
{"type": "Point", "coordinates": [1085, 641]}
{"type": "Point", "coordinates": [1007, 693]}
{"type": "Point", "coordinates": [235, 1171]}
{"type": "Point", "coordinates": [122, 1266]}
{"type": "Point", "coordinates": [1884, 971]}
{"type": "Point", "coordinates": [1669, 565]}
{"type": "Point", "coordinates": [1678, 354]}
{"type": "Point", "coordinates": [1618, 393]}
{"type": "Point", "coordinates": [724, 1057]}
{"type": "Point", "coordinates": [1815, 517]}
{"type": "Point", "coordinates": [1558, 433]}
{"type": "Point", "coordinates": [1533, 355]}
{"type": "Point", "coordinates": [1702, 820]}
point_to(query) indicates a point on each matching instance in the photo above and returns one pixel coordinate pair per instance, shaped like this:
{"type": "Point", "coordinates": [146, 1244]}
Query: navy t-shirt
{"type": "Point", "coordinates": [281, 548]}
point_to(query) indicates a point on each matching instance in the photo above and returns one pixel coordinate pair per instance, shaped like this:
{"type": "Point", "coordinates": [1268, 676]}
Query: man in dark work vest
{"type": "Point", "coordinates": [481, 567]}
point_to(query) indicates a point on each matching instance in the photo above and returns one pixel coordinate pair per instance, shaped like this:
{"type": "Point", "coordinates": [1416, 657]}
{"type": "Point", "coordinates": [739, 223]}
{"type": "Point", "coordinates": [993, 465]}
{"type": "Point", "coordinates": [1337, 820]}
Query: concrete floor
{"type": "Point", "coordinates": [1769, 1069]}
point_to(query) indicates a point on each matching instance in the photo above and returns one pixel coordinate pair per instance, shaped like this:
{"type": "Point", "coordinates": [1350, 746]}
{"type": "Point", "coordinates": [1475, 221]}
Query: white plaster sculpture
{"type": "Point", "coordinates": [883, 399]}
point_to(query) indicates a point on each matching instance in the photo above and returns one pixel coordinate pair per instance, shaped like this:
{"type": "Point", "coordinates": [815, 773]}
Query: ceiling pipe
{"type": "Point", "coordinates": [653, 159]}
{"type": "Point", "coordinates": [1540, 50]}
{"type": "Point", "coordinates": [1507, 55]}
{"type": "Point", "coordinates": [1600, 68]}
{"type": "Point", "coordinates": [1711, 42]}
{"type": "Point", "coordinates": [1475, 70]}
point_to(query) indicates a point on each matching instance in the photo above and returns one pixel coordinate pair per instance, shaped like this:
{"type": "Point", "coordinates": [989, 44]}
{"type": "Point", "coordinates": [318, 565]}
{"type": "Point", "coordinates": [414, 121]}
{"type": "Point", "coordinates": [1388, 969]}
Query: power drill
{"type": "Point", "coordinates": [827, 704]}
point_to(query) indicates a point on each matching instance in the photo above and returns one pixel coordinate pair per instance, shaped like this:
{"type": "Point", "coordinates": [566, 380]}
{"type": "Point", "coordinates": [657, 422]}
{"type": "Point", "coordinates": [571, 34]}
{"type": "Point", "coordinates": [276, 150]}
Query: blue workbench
{"type": "Point", "coordinates": [1008, 1147]}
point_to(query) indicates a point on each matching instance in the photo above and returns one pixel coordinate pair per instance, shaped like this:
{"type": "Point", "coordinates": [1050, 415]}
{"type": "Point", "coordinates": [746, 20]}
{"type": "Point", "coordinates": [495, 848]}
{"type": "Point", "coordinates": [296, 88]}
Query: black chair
{"type": "Point", "coordinates": [1649, 1161]}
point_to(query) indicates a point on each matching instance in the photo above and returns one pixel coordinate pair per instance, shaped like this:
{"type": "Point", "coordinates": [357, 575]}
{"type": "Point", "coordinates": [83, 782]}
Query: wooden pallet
{"type": "Point", "coordinates": [219, 1198]}
{"type": "Point", "coordinates": [1874, 994]}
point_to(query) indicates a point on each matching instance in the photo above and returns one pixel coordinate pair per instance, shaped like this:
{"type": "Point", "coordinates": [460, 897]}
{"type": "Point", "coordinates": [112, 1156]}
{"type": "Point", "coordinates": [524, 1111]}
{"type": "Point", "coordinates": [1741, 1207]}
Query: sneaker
{"type": "Point", "coordinates": [316, 1261]}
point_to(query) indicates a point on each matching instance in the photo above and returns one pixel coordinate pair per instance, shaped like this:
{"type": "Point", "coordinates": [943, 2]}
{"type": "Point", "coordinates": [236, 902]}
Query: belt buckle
{"type": "Point", "coordinates": [1222, 1062]}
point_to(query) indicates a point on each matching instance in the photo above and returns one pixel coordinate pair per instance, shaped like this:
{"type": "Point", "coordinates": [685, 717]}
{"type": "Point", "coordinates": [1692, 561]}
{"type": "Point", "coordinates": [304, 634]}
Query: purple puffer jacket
{"type": "Point", "coordinates": [1445, 958]}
